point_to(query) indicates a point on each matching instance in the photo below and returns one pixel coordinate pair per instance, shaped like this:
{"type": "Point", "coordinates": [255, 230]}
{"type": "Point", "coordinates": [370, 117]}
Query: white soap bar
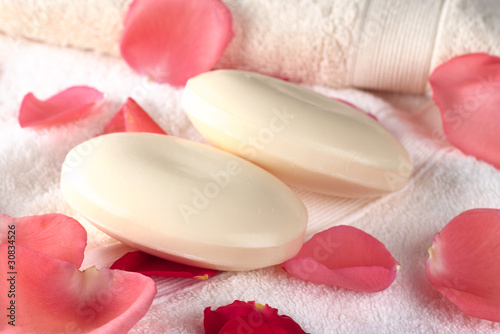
{"type": "Point", "coordinates": [184, 201]}
{"type": "Point", "coordinates": [303, 137]}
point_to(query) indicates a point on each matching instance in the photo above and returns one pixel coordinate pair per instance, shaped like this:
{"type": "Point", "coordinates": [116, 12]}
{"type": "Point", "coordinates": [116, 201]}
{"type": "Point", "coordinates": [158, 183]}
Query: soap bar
{"type": "Point", "coordinates": [184, 201]}
{"type": "Point", "coordinates": [303, 137]}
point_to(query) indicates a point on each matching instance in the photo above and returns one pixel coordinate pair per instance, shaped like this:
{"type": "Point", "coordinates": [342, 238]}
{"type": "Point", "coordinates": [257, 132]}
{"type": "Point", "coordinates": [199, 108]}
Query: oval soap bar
{"type": "Point", "coordinates": [303, 137]}
{"type": "Point", "coordinates": [184, 201]}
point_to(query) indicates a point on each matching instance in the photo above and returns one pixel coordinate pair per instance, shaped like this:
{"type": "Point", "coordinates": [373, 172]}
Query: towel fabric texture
{"type": "Point", "coordinates": [377, 44]}
{"type": "Point", "coordinates": [444, 182]}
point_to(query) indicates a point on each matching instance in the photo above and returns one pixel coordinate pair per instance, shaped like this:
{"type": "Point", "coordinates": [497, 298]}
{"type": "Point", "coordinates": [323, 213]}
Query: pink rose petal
{"type": "Point", "coordinates": [171, 41]}
{"type": "Point", "coordinates": [132, 118]}
{"type": "Point", "coordinates": [355, 107]}
{"type": "Point", "coordinates": [54, 234]}
{"type": "Point", "coordinates": [464, 262]}
{"type": "Point", "coordinates": [69, 105]}
{"type": "Point", "coordinates": [53, 296]}
{"type": "Point", "coordinates": [346, 257]}
{"type": "Point", "coordinates": [150, 265]}
{"type": "Point", "coordinates": [248, 317]}
{"type": "Point", "coordinates": [467, 91]}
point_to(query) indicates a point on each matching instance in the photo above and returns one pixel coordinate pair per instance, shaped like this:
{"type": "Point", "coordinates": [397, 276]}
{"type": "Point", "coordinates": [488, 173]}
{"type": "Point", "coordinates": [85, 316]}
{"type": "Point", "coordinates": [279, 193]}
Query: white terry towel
{"type": "Point", "coordinates": [444, 183]}
{"type": "Point", "coordinates": [376, 44]}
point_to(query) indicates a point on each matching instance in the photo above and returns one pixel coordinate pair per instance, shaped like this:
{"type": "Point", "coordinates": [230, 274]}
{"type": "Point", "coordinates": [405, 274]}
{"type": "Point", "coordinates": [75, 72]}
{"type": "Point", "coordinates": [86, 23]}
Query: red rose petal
{"type": "Point", "coordinates": [464, 262]}
{"type": "Point", "coordinates": [248, 325]}
{"type": "Point", "coordinates": [68, 105]}
{"type": "Point", "coordinates": [467, 91]}
{"type": "Point", "coordinates": [171, 41]}
{"type": "Point", "coordinates": [346, 257]}
{"type": "Point", "coordinates": [150, 265]}
{"type": "Point", "coordinates": [53, 296]}
{"type": "Point", "coordinates": [132, 118]}
{"type": "Point", "coordinates": [248, 317]}
{"type": "Point", "coordinates": [56, 235]}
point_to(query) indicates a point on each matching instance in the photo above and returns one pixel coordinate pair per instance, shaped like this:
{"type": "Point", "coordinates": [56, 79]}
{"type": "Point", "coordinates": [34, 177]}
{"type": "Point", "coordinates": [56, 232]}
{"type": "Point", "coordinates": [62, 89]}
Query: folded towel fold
{"type": "Point", "coordinates": [374, 44]}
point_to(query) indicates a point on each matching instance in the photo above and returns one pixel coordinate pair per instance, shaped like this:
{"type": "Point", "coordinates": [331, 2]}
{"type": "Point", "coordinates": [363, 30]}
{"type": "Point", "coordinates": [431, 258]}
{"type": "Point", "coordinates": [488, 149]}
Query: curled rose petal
{"type": "Point", "coordinates": [248, 317]}
{"type": "Point", "coordinates": [464, 262]}
{"type": "Point", "coordinates": [69, 105]}
{"type": "Point", "coordinates": [54, 234]}
{"type": "Point", "coordinates": [150, 265]}
{"type": "Point", "coordinates": [171, 41]}
{"type": "Point", "coordinates": [346, 257]}
{"type": "Point", "coordinates": [132, 118]}
{"type": "Point", "coordinates": [467, 91]}
{"type": "Point", "coordinates": [53, 296]}
{"type": "Point", "coordinates": [355, 107]}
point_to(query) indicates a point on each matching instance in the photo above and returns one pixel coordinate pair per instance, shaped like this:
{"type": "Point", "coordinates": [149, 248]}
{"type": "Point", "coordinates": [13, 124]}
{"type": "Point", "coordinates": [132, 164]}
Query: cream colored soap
{"type": "Point", "coordinates": [184, 201]}
{"type": "Point", "coordinates": [303, 137]}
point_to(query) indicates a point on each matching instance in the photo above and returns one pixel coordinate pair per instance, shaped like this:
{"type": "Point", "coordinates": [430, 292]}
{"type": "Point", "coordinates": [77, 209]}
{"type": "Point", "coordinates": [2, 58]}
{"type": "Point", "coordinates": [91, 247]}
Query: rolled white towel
{"type": "Point", "coordinates": [375, 44]}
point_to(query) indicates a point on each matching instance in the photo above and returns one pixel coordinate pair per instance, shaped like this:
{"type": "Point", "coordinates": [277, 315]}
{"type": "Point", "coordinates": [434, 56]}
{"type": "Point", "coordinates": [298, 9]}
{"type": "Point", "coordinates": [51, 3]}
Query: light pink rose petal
{"type": "Point", "coordinates": [171, 41]}
{"type": "Point", "coordinates": [464, 262]}
{"type": "Point", "coordinates": [132, 118]}
{"type": "Point", "coordinates": [69, 105]}
{"type": "Point", "coordinates": [467, 91]}
{"type": "Point", "coordinates": [346, 257]}
{"type": "Point", "coordinates": [54, 234]}
{"type": "Point", "coordinates": [150, 265]}
{"type": "Point", "coordinates": [53, 296]}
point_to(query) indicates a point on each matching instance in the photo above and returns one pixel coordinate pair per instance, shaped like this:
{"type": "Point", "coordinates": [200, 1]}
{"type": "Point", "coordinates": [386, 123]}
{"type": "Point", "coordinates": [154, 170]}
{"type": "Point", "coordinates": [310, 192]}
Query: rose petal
{"type": "Point", "coordinates": [171, 41]}
{"type": "Point", "coordinates": [346, 257]}
{"type": "Point", "coordinates": [54, 234]}
{"type": "Point", "coordinates": [355, 107]}
{"type": "Point", "coordinates": [249, 325]}
{"type": "Point", "coordinates": [467, 91]}
{"type": "Point", "coordinates": [248, 317]}
{"type": "Point", "coordinates": [132, 118]}
{"type": "Point", "coordinates": [464, 262]}
{"type": "Point", "coordinates": [53, 296]}
{"type": "Point", "coordinates": [150, 265]}
{"type": "Point", "coordinates": [68, 105]}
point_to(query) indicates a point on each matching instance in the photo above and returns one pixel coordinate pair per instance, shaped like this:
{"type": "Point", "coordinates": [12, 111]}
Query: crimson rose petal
{"type": "Point", "coordinates": [248, 317]}
{"type": "Point", "coordinates": [464, 262]}
{"type": "Point", "coordinates": [346, 257]}
{"type": "Point", "coordinates": [248, 325]}
{"type": "Point", "coordinates": [150, 265]}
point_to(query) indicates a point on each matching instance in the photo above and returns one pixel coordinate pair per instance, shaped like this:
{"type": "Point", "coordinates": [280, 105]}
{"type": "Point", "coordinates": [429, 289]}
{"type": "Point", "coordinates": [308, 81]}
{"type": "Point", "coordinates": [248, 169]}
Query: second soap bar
{"type": "Point", "coordinates": [303, 137]}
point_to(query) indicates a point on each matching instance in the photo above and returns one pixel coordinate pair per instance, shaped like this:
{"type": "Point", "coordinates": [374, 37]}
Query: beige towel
{"type": "Point", "coordinates": [376, 44]}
